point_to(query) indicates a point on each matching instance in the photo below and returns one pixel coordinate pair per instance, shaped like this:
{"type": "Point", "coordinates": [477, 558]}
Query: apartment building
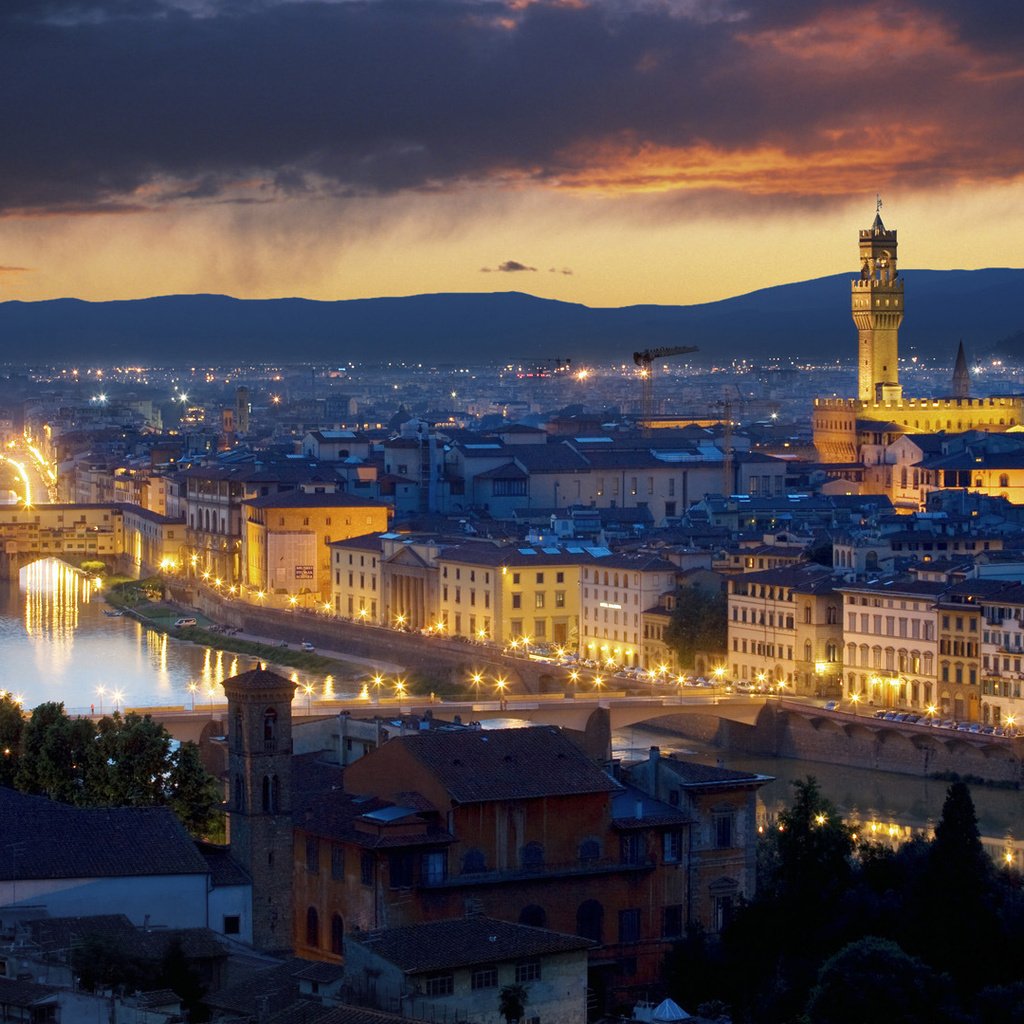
{"type": "Point", "coordinates": [891, 642]}
{"type": "Point", "coordinates": [614, 595]}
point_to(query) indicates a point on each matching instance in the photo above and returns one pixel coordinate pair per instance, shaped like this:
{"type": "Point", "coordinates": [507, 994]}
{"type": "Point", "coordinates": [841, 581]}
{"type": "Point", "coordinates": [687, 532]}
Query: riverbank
{"type": "Point", "coordinates": [135, 599]}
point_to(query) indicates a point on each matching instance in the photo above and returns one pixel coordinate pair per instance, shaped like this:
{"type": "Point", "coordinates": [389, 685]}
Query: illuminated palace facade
{"type": "Point", "coordinates": [843, 427]}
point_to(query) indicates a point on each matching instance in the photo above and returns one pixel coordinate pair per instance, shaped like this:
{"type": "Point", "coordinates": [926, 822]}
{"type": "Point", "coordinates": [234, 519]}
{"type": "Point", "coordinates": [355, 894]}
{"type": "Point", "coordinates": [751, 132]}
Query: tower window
{"type": "Point", "coordinates": [270, 731]}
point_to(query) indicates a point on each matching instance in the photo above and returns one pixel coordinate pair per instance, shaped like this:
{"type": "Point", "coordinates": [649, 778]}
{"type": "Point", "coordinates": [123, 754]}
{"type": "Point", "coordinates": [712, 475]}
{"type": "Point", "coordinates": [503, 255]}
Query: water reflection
{"type": "Point", "coordinates": [57, 644]}
{"type": "Point", "coordinates": [879, 805]}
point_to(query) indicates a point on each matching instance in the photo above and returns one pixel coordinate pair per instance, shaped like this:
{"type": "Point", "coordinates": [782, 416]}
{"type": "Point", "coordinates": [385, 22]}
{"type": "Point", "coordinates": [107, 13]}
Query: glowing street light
{"type": "Point", "coordinates": [400, 690]}
{"type": "Point", "coordinates": [192, 687]}
{"type": "Point", "coordinates": [117, 696]}
{"type": "Point", "coordinates": [476, 681]}
{"type": "Point", "coordinates": [855, 701]}
{"type": "Point", "coordinates": [378, 682]}
{"type": "Point", "coordinates": [101, 692]}
{"type": "Point", "coordinates": [400, 620]}
{"type": "Point", "coordinates": [308, 689]}
{"type": "Point", "coordinates": [500, 685]}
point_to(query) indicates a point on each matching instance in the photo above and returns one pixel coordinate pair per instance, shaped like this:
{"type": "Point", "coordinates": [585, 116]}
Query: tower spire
{"type": "Point", "coordinates": [961, 375]}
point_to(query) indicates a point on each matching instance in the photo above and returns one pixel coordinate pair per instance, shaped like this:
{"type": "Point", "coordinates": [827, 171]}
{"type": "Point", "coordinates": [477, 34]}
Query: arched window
{"type": "Point", "coordinates": [239, 744]}
{"type": "Point", "coordinates": [590, 920]}
{"type": "Point", "coordinates": [871, 561]}
{"type": "Point", "coordinates": [312, 928]}
{"type": "Point", "coordinates": [266, 794]}
{"type": "Point", "coordinates": [534, 916]}
{"type": "Point", "coordinates": [337, 934]}
{"type": "Point", "coordinates": [533, 856]}
{"type": "Point", "coordinates": [590, 851]}
{"type": "Point", "coordinates": [473, 862]}
{"type": "Point", "coordinates": [270, 730]}
{"type": "Point", "coordinates": [808, 652]}
{"type": "Point", "coordinates": [1004, 480]}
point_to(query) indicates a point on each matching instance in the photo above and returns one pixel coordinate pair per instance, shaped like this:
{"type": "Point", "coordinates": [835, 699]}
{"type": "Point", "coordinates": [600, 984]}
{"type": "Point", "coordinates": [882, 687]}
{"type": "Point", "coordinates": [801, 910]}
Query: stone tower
{"type": "Point", "coordinates": [961, 375]}
{"type": "Point", "coordinates": [259, 767]}
{"type": "Point", "coordinates": [877, 306]}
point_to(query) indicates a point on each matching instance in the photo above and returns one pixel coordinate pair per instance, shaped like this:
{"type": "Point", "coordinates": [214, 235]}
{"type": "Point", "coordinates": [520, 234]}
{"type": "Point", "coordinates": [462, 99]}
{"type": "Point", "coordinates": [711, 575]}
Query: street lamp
{"type": "Point", "coordinates": [598, 683]}
{"type": "Point", "coordinates": [378, 682]}
{"type": "Point", "coordinates": [476, 680]}
{"type": "Point", "coordinates": [400, 688]}
{"type": "Point", "coordinates": [308, 689]}
{"type": "Point", "coordinates": [101, 692]}
{"type": "Point", "coordinates": [400, 620]}
{"type": "Point", "coordinates": [117, 696]}
{"type": "Point", "coordinates": [500, 684]}
{"type": "Point", "coordinates": [192, 687]}
{"type": "Point", "coordinates": [855, 700]}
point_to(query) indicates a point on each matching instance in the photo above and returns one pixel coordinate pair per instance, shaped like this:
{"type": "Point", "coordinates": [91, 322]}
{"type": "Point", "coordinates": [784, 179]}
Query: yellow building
{"type": "Point", "coordinates": [152, 542]}
{"type": "Point", "coordinates": [843, 425]}
{"type": "Point", "coordinates": [505, 594]}
{"type": "Point", "coordinates": [286, 539]}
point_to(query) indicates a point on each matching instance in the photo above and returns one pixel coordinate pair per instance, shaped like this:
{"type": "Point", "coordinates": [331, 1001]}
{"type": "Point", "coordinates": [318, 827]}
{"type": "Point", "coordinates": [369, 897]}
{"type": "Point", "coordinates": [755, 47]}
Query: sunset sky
{"type": "Point", "coordinates": [608, 152]}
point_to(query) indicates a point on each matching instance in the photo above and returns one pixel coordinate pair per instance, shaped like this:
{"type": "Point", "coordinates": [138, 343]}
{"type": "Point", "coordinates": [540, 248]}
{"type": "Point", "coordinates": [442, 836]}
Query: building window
{"type": "Point", "coordinates": [400, 868]}
{"type": "Point", "coordinates": [672, 847]}
{"type": "Point", "coordinates": [337, 934]}
{"type": "Point", "coordinates": [533, 856]}
{"type": "Point", "coordinates": [590, 851]}
{"type": "Point", "coordinates": [442, 984]}
{"type": "Point", "coordinates": [367, 869]}
{"type": "Point", "coordinates": [590, 920]}
{"type": "Point", "coordinates": [484, 977]}
{"type": "Point", "coordinates": [312, 928]}
{"type": "Point", "coordinates": [632, 849]}
{"type": "Point", "coordinates": [517, 600]}
{"type": "Point", "coordinates": [434, 867]}
{"type": "Point", "coordinates": [672, 921]}
{"type": "Point", "coordinates": [559, 598]}
{"type": "Point", "coordinates": [534, 916]}
{"type": "Point", "coordinates": [312, 855]}
{"type": "Point", "coordinates": [527, 970]}
{"type": "Point", "coordinates": [538, 599]}
{"type": "Point", "coordinates": [473, 862]}
{"type": "Point", "coordinates": [232, 924]}
{"type": "Point", "coordinates": [629, 925]}
{"type": "Point", "coordinates": [337, 862]}
{"type": "Point", "coordinates": [723, 831]}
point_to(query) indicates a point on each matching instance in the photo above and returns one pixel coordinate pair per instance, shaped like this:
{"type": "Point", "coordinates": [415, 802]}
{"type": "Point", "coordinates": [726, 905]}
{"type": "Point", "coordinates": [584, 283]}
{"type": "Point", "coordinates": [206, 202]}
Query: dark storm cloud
{"type": "Point", "coordinates": [114, 103]}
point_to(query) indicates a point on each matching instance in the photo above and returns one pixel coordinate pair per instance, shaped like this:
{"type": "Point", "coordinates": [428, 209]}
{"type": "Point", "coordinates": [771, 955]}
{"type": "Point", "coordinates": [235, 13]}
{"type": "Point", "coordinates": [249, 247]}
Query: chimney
{"type": "Point", "coordinates": [655, 753]}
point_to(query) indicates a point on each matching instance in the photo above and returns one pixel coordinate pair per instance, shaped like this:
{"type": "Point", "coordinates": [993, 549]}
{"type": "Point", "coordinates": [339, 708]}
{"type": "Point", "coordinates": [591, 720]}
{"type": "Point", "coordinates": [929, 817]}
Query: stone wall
{"type": "Point", "coordinates": [808, 733]}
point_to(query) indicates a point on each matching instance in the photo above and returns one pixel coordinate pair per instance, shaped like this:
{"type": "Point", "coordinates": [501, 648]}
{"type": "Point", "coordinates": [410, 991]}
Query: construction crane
{"type": "Point", "coordinates": [644, 360]}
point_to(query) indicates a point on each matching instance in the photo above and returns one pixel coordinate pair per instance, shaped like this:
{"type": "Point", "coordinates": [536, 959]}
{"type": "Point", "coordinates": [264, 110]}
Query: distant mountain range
{"type": "Point", "coordinates": [806, 320]}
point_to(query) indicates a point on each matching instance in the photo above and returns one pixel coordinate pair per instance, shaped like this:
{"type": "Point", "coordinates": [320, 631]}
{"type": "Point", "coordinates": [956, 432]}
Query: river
{"type": "Point", "coordinates": [56, 644]}
{"type": "Point", "coordinates": [883, 805]}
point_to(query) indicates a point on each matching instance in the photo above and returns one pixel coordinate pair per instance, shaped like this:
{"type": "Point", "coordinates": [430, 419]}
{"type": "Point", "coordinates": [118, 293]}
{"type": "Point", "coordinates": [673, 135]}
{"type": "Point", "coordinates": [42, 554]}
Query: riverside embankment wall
{"type": "Point", "coordinates": [806, 733]}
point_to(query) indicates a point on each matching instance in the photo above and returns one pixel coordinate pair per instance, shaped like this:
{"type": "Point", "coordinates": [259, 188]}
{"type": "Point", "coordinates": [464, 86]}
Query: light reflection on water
{"type": "Point", "coordinates": [883, 805]}
{"type": "Point", "coordinates": [57, 644]}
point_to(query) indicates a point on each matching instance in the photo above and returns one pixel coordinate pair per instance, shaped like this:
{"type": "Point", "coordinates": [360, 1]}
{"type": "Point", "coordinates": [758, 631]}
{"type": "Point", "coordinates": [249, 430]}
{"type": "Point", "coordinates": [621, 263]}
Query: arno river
{"type": "Point", "coordinates": [56, 643]}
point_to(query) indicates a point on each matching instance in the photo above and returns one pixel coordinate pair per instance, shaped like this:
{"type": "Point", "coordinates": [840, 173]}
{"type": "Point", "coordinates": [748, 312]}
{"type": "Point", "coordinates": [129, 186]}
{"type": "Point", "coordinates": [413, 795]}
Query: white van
{"type": "Point", "coordinates": [180, 623]}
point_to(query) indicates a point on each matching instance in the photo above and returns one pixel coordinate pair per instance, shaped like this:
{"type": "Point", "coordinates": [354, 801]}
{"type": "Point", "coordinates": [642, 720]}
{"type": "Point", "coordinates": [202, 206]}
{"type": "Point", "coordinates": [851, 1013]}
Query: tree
{"type": "Point", "coordinates": [874, 979]}
{"type": "Point", "coordinates": [12, 725]}
{"type": "Point", "coordinates": [512, 1002]}
{"type": "Point", "coordinates": [699, 623]}
{"type": "Point", "coordinates": [813, 847]}
{"type": "Point", "coordinates": [54, 752]}
{"type": "Point", "coordinates": [116, 762]}
{"type": "Point", "coordinates": [194, 795]}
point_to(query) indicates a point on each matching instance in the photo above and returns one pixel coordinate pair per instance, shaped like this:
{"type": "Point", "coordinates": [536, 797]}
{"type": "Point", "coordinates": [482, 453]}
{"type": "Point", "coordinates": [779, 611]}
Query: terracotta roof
{"type": "Point", "coordinates": [507, 764]}
{"type": "Point", "coordinates": [60, 841]}
{"type": "Point", "coordinates": [464, 941]}
{"type": "Point", "coordinates": [690, 773]}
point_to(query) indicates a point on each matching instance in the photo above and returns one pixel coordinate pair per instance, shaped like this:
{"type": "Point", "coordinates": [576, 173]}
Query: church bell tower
{"type": "Point", "coordinates": [877, 306]}
{"type": "Point", "coordinates": [259, 766]}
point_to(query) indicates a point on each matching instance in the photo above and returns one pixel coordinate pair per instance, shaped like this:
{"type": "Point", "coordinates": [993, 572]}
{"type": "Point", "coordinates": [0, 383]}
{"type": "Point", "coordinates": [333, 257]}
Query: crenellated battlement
{"type": "Point", "coordinates": [922, 404]}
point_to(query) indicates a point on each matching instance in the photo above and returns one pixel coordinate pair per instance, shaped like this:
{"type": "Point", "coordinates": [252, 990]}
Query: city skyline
{"type": "Point", "coordinates": [607, 153]}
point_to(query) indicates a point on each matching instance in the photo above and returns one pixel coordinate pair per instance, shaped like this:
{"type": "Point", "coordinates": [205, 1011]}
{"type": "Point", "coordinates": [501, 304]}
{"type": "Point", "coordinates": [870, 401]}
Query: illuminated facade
{"type": "Point", "coordinates": [843, 425]}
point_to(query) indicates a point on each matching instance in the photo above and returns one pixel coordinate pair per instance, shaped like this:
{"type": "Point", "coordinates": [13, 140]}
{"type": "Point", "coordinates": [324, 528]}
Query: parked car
{"type": "Point", "coordinates": [307, 646]}
{"type": "Point", "coordinates": [185, 620]}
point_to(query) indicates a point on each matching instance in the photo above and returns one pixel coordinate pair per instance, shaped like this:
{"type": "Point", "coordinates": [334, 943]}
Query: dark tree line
{"type": "Point", "coordinates": [845, 932]}
{"type": "Point", "coordinates": [118, 761]}
{"type": "Point", "coordinates": [699, 623]}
